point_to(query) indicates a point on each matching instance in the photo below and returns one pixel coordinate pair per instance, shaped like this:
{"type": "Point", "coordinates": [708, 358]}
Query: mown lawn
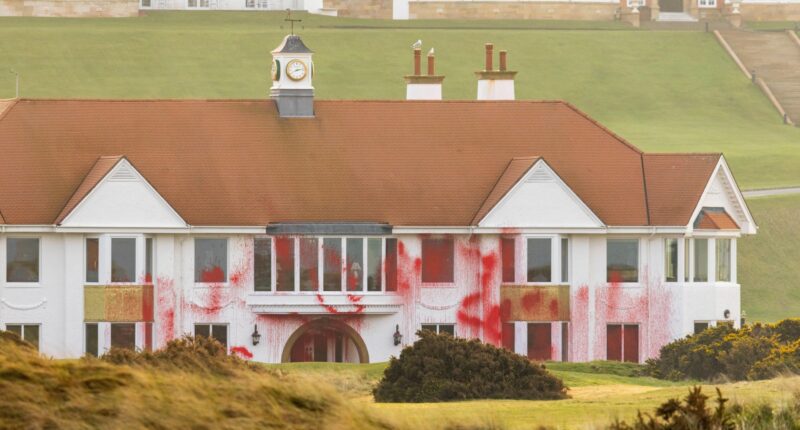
{"type": "Point", "coordinates": [601, 392]}
{"type": "Point", "coordinates": [769, 263]}
{"type": "Point", "coordinates": [664, 91]}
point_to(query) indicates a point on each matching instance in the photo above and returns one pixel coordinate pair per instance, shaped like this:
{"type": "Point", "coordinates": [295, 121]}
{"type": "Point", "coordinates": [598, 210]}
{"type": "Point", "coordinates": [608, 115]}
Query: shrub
{"type": "Point", "coordinates": [753, 352]}
{"type": "Point", "coordinates": [691, 413]}
{"type": "Point", "coordinates": [187, 353]}
{"type": "Point", "coordinates": [444, 368]}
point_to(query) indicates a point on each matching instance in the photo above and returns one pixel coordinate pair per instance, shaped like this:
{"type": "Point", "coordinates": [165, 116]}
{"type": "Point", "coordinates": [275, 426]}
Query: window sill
{"type": "Point", "coordinates": [23, 285]}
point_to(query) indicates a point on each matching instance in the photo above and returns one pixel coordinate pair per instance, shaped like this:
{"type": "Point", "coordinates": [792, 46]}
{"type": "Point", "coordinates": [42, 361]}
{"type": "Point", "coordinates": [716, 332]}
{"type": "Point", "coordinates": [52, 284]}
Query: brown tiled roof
{"type": "Point", "coordinates": [515, 170]}
{"type": "Point", "coordinates": [715, 219]}
{"type": "Point", "coordinates": [235, 162]}
{"type": "Point", "coordinates": [675, 183]}
{"type": "Point", "coordinates": [101, 167]}
{"type": "Point", "coordinates": [2, 220]}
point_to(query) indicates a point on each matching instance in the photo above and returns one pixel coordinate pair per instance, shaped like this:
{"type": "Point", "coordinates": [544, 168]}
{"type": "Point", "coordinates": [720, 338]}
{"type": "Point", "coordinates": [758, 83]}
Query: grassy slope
{"type": "Point", "coordinates": [769, 263]}
{"type": "Point", "coordinates": [601, 392]}
{"type": "Point", "coordinates": [664, 91]}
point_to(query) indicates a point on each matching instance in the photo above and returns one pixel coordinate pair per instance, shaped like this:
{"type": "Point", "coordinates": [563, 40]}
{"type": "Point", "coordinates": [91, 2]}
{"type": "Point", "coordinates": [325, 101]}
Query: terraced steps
{"type": "Point", "coordinates": [774, 57]}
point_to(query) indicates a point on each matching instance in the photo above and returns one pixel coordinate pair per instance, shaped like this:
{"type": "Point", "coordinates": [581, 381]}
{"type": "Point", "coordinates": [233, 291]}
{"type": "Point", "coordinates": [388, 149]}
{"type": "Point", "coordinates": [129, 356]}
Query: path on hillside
{"type": "Point", "coordinates": [771, 192]}
{"type": "Point", "coordinates": [775, 57]}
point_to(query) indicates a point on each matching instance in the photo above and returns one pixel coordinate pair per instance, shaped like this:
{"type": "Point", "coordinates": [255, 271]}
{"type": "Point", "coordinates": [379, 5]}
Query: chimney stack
{"type": "Point", "coordinates": [424, 87]}
{"type": "Point", "coordinates": [495, 84]}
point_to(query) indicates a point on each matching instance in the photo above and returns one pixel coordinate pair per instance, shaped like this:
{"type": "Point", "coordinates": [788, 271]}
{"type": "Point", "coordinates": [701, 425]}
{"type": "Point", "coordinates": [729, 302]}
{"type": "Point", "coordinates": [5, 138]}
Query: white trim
{"type": "Point", "coordinates": [722, 165]}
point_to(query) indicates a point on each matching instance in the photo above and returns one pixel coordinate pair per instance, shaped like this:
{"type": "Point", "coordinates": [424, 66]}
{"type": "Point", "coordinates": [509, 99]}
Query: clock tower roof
{"type": "Point", "coordinates": [292, 44]}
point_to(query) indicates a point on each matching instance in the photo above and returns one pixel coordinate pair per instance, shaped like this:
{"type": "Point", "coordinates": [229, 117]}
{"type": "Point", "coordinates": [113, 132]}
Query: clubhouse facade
{"type": "Point", "coordinates": [295, 229]}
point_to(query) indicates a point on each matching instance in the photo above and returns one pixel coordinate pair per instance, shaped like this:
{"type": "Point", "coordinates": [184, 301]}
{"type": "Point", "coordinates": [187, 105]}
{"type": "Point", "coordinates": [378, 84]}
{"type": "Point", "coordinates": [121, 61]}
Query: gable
{"type": "Point", "coordinates": [122, 198]}
{"type": "Point", "coordinates": [540, 199]}
{"type": "Point", "coordinates": [723, 193]}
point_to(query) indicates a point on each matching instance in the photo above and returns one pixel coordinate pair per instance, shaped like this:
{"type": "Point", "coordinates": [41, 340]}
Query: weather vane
{"type": "Point", "coordinates": [291, 21]}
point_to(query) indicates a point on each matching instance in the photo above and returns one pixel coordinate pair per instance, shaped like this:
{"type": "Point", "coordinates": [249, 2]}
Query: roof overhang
{"type": "Point", "coordinates": [330, 228]}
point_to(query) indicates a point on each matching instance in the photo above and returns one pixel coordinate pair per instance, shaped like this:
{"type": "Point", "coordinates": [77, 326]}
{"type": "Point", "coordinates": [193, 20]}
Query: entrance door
{"type": "Point", "coordinates": [539, 341]}
{"type": "Point", "coordinates": [670, 5]}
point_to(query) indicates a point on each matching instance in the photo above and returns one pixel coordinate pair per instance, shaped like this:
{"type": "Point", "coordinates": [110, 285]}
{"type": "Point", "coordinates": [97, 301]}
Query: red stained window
{"type": "Point", "coordinates": [622, 342]}
{"type": "Point", "coordinates": [614, 342]}
{"type": "Point", "coordinates": [508, 336]}
{"type": "Point", "coordinates": [437, 260]}
{"type": "Point", "coordinates": [390, 264]}
{"type": "Point", "coordinates": [630, 339]}
{"type": "Point", "coordinates": [539, 341]}
{"type": "Point", "coordinates": [507, 247]}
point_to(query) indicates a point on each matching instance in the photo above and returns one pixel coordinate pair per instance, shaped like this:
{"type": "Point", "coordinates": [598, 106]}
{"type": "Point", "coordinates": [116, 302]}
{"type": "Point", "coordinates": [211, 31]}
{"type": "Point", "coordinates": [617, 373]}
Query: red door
{"type": "Point", "coordinates": [630, 338]}
{"type": "Point", "coordinates": [614, 342]}
{"type": "Point", "coordinates": [539, 341]}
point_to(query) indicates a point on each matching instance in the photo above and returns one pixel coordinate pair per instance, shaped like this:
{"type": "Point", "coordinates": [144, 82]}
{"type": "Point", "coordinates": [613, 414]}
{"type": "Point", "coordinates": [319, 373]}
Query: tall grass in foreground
{"type": "Point", "coordinates": [169, 391]}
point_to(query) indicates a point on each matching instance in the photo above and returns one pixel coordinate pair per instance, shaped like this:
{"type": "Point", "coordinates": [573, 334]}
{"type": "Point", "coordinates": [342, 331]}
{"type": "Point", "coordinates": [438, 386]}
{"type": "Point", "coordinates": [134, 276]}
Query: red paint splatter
{"type": "Point", "coordinates": [213, 274]}
{"type": "Point", "coordinates": [242, 352]}
{"type": "Point", "coordinates": [165, 293]}
{"type": "Point", "coordinates": [479, 313]}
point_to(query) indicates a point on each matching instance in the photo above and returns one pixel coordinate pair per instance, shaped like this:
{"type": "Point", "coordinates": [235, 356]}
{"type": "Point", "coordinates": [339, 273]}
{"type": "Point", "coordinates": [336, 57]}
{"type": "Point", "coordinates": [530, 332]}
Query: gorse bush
{"type": "Point", "coordinates": [759, 351]}
{"type": "Point", "coordinates": [440, 368]}
{"type": "Point", "coordinates": [689, 414]}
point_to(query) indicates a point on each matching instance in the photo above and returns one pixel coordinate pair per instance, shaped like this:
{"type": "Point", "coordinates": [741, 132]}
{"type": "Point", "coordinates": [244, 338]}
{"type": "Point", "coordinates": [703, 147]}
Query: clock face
{"type": "Point", "coordinates": [296, 70]}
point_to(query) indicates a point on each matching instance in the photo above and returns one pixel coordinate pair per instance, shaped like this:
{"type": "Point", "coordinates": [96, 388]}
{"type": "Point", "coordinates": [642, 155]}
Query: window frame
{"type": "Point", "coordinates": [86, 259]}
{"type": "Point", "coordinates": [639, 262]}
{"type": "Point", "coordinates": [678, 256]}
{"type": "Point", "coordinates": [707, 4]}
{"type": "Point", "coordinates": [364, 240]}
{"type": "Point", "coordinates": [556, 242]}
{"type": "Point", "coordinates": [438, 326]}
{"type": "Point", "coordinates": [16, 284]}
{"type": "Point", "coordinates": [22, 331]}
{"type": "Point", "coordinates": [210, 326]}
{"type": "Point", "coordinates": [227, 260]}
{"type": "Point", "coordinates": [730, 261]}
{"type": "Point", "coordinates": [425, 283]}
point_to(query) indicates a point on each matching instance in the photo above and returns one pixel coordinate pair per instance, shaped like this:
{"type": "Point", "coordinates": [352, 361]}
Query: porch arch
{"type": "Point", "coordinates": [326, 323]}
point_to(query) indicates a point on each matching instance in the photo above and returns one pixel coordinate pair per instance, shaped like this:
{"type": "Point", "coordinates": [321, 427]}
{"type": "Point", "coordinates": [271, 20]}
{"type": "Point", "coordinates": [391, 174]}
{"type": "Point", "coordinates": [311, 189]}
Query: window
{"type": "Point", "coordinates": [565, 341]}
{"type": "Point", "coordinates": [508, 256]}
{"type": "Point", "coordinates": [215, 331]}
{"type": "Point", "coordinates": [687, 247]}
{"type": "Point", "coordinates": [309, 261]}
{"type": "Point", "coordinates": [700, 326]}
{"type": "Point", "coordinates": [210, 260]}
{"type": "Point", "coordinates": [622, 342]}
{"type": "Point", "coordinates": [197, 3]}
{"type": "Point", "coordinates": [622, 260]}
{"type": "Point", "coordinates": [723, 260]}
{"type": "Point", "coordinates": [146, 3]}
{"type": "Point", "coordinates": [564, 260]}
{"type": "Point", "coordinates": [707, 3]}
{"type": "Point", "coordinates": [539, 260]}
{"type": "Point", "coordinates": [92, 346]}
{"type": "Point", "coordinates": [22, 260]}
{"type": "Point", "coordinates": [374, 269]}
{"type": "Point", "coordinates": [390, 264]}
{"type": "Point", "coordinates": [284, 264]}
{"type": "Point", "coordinates": [28, 332]}
{"type": "Point", "coordinates": [355, 262]}
{"type": "Point", "coordinates": [332, 264]}
{"type": "Point", "coordinates": [123, 259]}
{"type": "Point", "coordinates": [700, 260]}
{"type": "Point", "coordinates": [539, 341]}
{"type": "Point", "coordinates": [671, 260]}
{"type": "Point", "coordinates": [92, 259]}
{"type": "Point", "coordinates": [437, 260]}
{"type": "Point", "coordinates": [508, 336]}
{"type": "Point", "coordinates": [123, 335]}
{"type": "Point", "coordinates": [148, 260]}
{"type": "Point", "coordinates": [440, 328]}
{"type": "Point", "coordinates": [262, 262]}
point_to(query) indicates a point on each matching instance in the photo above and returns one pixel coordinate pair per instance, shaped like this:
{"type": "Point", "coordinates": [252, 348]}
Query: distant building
{"type": "Point", "coordinates": [295, 229]}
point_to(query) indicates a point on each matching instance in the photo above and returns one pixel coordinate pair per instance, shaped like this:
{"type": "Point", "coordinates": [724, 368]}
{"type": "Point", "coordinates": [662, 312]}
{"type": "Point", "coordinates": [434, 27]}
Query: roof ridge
{"type": "Point", "coordinates": [619, 138]}
{"type": "Point", "coordinates": [702, 154]}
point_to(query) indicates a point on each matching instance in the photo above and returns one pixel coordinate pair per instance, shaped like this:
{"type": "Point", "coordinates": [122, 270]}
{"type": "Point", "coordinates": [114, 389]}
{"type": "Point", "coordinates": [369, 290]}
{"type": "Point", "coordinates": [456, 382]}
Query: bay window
{"type": "Point", "coordinates": [284, 264]}
{"type": "Point", "coordinates": [723, 260]}
{"type": "Point", "coordinates": [332, 264]}
{"type": "Point", "coordinates": [309, 261]}
{"type": "Point", "coordinates": [374, 272]}
{"type": "Point", "coordinates": [355, 259]}
{"type": "Point", "coordinates": [700, 260]}
{"type": "Point", "coordinates": [508, 258]}
{"type": "Point", "coordinates": [262, 264]}
{"type": "Point", "coordinates": [22, 260]}
{"type": "Point", "coordinates": [123, 259]}
{"type": "Point", "coordinates": [622, 264]}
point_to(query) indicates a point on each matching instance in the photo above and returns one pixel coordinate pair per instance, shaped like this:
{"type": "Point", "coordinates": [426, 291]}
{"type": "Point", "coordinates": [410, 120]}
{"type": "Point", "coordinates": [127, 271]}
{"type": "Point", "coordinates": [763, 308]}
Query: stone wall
{"type": "Point", "coordinates": [378, 9]}
{"type": "Point", "coordinates": [512, 10]}
{"type": "Point", "coordinates": [70, 8]}
{"type": "Point", "coordinates": [771, 12]}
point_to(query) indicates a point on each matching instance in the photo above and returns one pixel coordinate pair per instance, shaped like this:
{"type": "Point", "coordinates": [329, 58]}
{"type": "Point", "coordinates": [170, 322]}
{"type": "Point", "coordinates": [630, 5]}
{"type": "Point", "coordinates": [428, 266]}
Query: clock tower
{"type": "Point", "coordinates": [292, 70]}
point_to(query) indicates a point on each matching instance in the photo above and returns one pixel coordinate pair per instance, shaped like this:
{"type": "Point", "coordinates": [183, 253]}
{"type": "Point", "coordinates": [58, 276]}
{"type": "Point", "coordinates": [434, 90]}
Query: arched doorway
{"type": "Point", "coordinates": [326, 340]}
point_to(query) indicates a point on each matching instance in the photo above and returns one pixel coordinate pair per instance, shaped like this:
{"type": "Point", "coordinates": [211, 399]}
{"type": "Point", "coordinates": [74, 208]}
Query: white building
{"type": "Point", "coordinates": [337, 229]}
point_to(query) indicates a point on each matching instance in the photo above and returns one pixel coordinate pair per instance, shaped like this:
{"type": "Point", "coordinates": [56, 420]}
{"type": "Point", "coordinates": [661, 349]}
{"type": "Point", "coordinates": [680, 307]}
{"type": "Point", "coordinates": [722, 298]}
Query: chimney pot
{"type": "Point", "coordinates": [489, 55]}
{"type": "Point", "coordinates": [503, 60]}
{"type": "Point", "coordinates": [431, 66]}
{"type": "Point", "coordinates": [417, 61]}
